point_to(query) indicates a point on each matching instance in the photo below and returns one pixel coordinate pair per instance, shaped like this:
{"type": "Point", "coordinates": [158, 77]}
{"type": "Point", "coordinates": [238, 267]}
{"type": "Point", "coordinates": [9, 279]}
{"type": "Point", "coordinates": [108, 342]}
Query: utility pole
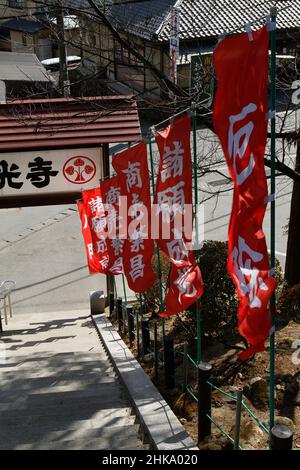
{"type": "Point", "coordinates": [273, 16]}
{"type": "Point", "coordinates": [292, 267]}
{"type": "Point", "coordinates": [64, 83]}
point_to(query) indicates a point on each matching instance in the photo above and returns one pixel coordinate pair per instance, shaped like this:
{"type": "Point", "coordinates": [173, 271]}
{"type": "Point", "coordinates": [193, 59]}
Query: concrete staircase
{"type": "Point", "coordinates": [58, 390]}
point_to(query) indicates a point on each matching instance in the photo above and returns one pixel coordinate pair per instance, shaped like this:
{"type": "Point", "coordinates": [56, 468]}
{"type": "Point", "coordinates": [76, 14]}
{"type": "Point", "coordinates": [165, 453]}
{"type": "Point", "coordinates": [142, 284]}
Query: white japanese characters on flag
{"type": "Point", "coordinates": [111, 193]}
{"type": "Point", "coordinates": [94, 211]}
{"type": "Point", "coordinates": [173, 198]}
{"type": "Point", "coordinates": [93, 262]}
{"type": "Point", "coordinates": [238, 142]}
{"type": "Point", "coordinates": [132, 169]}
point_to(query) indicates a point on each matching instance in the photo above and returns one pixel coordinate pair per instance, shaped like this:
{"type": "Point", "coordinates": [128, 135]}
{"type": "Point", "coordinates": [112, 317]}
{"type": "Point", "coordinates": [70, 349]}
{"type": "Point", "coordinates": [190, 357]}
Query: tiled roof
{"type": "Point", "coordinates": [68, 122]}
{"type": "Point", "coordinates": [199, 18]}
{"type": "Point", "coordinates": [143, 18]}
{"type": "Point", "coordinates": [207, 18]}
{"type": "Point", "coordinates": [25, 26]}
{"type": "Point", "coordinates": [24, 67]}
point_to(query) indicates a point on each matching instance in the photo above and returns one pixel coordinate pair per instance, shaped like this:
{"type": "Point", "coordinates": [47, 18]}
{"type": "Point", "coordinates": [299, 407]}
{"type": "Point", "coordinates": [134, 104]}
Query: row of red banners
{"type": "Point", "coordinates": [112, 250]}
{"type": "Point", "coordinates": [240, 121]}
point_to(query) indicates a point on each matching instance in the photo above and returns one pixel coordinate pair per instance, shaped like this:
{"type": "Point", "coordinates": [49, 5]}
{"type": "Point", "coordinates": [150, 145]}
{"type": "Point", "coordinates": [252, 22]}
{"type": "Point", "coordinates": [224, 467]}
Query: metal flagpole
{"type": "Point", "coordinates": [198, 307]}
{"type": "Point", "coordinates": [161, 294]}
{"type": "Point", "coordinates": [124, 289]}
{"type": "Point", "coordinates": [115, 286]}
{"type": "Point", "coordinates": [273, 14]}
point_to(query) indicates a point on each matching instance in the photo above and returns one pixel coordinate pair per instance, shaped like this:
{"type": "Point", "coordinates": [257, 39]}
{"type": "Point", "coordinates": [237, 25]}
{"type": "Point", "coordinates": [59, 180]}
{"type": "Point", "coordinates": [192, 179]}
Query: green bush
{"type": "Point", "coordinates": [151, 298]}
{"type": "Point", "coordinates": [289, 303]}
{"type": "Point", "coordinates": [219, 302]}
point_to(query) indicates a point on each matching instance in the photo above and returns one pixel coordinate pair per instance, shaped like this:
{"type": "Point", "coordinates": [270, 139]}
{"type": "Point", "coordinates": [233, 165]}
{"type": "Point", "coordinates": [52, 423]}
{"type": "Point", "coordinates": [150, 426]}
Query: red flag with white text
{"type": "Point", "coordinates": [93, 206]}
{"type": "Point", "coordinates": [173, 200]}
{"type": "Point", "coordinates": [240, 121]}
{"type": "Point", "coordinates": [111, 193]}
{"type": "Point", "coordinates": [93, 265]}
{"type": "Point", "coordinates": [131, 166]}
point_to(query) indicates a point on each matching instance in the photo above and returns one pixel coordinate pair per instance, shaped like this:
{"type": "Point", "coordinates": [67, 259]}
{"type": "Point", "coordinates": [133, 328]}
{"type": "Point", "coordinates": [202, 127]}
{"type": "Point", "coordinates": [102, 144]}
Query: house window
{"type": "Point", "coordinates": [41, 8]}
{"type": "Point", "coordinates": [93, 40]}
{"type": "Point", "coordinates": [16, 3]}
{"type": "Point", "coordinates": [134, 60]}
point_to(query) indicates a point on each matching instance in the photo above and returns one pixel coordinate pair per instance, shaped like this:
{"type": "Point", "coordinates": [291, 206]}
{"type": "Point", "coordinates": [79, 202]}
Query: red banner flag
{"type": "Point", "coordinates": [93, 264]}
{"type": "Point", "coordinates": [240, 121]}
{"type": "Point", "coordinates": [131, 166]}
{"type": "Point", "coordinates": [173, 200]}
{"type": "Point", "coordinates": [111, 193]}
{"type": "Point", "coordinates": [93, 206]}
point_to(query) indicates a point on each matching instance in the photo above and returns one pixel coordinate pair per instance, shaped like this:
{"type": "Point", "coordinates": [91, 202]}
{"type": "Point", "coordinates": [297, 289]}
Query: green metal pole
{"type": "Point", "coordinates": [124, 289]}
{"type": "Point", "coordinates": [198, 307]}
{"type": "Point", "coordinates": [161, 294]}
{"type": "Point", "coordinates": [273, 14]}
{"type": "Point", "coordinates": [115, 285]}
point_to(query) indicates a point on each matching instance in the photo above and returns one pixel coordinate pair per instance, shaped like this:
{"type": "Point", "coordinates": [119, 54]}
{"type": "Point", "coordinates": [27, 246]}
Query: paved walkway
{"type": "Point", "coordinates": [58, 389]}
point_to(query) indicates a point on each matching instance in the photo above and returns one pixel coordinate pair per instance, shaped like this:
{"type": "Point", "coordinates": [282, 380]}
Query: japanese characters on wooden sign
{"type": "Point", "coordinates": [49, 171]}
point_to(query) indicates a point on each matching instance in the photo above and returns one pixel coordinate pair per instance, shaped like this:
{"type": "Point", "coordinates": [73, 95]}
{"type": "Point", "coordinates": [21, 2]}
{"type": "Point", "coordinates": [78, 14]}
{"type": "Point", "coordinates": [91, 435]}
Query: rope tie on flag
{"type": "Point", "coordinates": [248, 30]}
{"type": "Point", "coordinates": [272, 272]}
{"type": "Point", "coordinates": [272, 330]}
{"type": "Point", "coordinates": [270, 115]}
{"type": "Point", "coordinates": [270, 198]}
{"type": "Point", "coordinates": [271, 26]}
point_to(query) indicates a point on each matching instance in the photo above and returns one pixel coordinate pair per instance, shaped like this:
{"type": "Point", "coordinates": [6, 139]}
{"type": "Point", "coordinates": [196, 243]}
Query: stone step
{"type": "Point", "coordinates": [56, 370]}
{"type": "Point", "coordinates": [100, 418]}
{"type": "Point", "coordinates": [52, 403]}
{"type": "Point", "coordinates": [65, 357]}
{"type": "Point", "coordinates": [59, 390]}
{"type": "Point", "coordinates": [69, 358]}
{"type": "Point", "coordinates": [32, 435]}
{"type": "Point", "coordinates": [105, 441]}
{"type": "Point", "coordinates": [61, 395]}
{"type": "Point", "coordinates": [53, 384]}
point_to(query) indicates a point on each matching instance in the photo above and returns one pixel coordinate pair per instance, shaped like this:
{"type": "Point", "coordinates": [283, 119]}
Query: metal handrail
{"type": "Point", "coordinates": [6, 287]}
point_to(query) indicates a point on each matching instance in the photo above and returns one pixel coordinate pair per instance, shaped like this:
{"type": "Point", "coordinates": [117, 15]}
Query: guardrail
{"type": "Point", "coordinates": [6, 288]}
{"type": "Point", "coordinates": [132, 320]}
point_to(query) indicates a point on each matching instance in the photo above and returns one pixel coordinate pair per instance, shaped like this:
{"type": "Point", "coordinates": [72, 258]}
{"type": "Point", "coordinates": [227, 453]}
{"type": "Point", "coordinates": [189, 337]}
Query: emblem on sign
{"type": "Point", "coordinates": [79, 170]}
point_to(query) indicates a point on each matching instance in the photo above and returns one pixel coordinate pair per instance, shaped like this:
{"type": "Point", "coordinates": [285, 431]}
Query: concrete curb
{"type": "Point", "coordinates": [156, 417]}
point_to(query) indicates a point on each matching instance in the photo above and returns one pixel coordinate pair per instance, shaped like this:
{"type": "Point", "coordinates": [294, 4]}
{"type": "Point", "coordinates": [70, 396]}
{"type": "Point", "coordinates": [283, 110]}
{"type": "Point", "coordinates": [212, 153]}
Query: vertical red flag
{"type": "Point", "coordinates": [88, 241]}
{"type": "Point", "coordinates": [240, 121]}
{"type": "Point", "coordinates": [173, 201]}
{"type": "Point", "coordinates": [131, 166]}
{"type": "Point", "coordinates": [93, 206]}
{"type": "Point", "coordinates": [111, 192]}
